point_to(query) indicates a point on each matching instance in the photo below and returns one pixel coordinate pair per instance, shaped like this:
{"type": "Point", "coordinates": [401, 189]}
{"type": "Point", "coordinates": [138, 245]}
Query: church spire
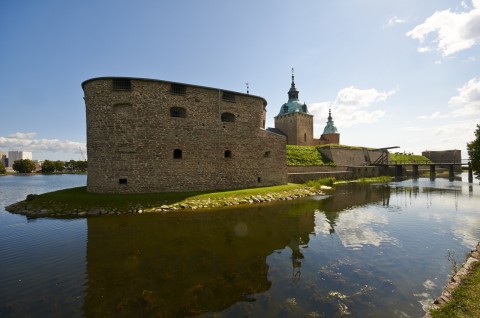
{"type": "Point", "coordinates": [330, 127]}
{"type": "Point", "coordinates": [293, 93]}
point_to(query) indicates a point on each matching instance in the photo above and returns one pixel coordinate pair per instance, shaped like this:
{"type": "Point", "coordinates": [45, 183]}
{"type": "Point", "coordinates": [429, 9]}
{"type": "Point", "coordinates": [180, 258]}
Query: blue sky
{"type": "Point", "coordinates": [395, 73]}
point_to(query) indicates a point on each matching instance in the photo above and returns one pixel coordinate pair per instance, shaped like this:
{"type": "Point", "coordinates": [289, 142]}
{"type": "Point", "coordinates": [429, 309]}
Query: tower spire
{"type": "Point", "coordinates": [293, 93]}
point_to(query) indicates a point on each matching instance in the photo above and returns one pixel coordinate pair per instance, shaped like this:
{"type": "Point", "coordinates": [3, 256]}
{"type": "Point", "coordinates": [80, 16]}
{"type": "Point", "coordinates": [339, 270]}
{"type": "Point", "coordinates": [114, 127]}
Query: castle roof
{"type": "Point", "coordinates": [293, 105]}
{"type": "Point", "coordinates": [330, 127]}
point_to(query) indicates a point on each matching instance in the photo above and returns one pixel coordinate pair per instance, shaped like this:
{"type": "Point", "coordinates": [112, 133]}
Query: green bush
{"type": "Point", "coordinates": [2, 168]}
{"type": "Point", "coordinates": [317, 184]}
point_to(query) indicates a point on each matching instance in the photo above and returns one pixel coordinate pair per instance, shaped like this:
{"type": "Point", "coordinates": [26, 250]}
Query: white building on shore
{"type": "Point", "coordinates": [18, 155]}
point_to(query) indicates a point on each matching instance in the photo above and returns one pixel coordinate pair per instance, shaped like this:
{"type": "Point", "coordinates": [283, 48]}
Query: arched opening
{"type": "Point", "coordinates": [228, 117]}
{"type": "Point", "coordinates": [178, 112]}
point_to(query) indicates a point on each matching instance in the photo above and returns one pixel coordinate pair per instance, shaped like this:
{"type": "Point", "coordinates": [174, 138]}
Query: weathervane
{"type": "Point", "coordinates": [247, 87]}
{"type": "Point", "coordinates": [293, 75]}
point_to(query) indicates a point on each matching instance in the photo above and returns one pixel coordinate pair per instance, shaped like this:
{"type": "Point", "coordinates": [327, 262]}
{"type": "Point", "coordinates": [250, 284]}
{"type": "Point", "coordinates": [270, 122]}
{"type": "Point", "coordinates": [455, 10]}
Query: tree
{"type": "Point", "coordinates": [48, 166]}
{"type": "Point", "coordinates": [59, 165]}
{"type": "Point", "coordinates": [2, 168]}
{"type": "Point", "coordinates": [24, 166]}
{"type": "Point", "coordinates": [473, 149]}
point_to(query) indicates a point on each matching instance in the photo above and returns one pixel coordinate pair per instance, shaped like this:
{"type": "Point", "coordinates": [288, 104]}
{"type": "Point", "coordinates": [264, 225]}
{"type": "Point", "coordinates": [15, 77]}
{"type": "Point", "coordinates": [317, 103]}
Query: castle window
{"type": "Point", "coordinates": [228, 117]}
{"type": "Point", "coordinates": [178, 112]}
{"type": "Point", "coordinates": [267, 154]}
{"type": "Point", "coordinates": [122, 181]}
{"type": "Point", "coordinates": [122, 84]}
{"type": "Point", "coordinates": [285, 109]}
{"type": "Point", "coordinates": [259, 179]}
{"type": "Point", "coordinates": [178, 89]}
{"type": "Point", "coordinates": [305, 137]}
{"type": "Point", "coordinates": [228, 154]}
{"type": "Point", "coordinates": [177, 154]}
{"type": "Point", "coordinates": [228, 96]}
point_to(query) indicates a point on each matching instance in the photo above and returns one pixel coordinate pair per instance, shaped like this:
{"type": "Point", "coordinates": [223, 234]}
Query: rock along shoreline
{"type": "Point", "coordinates": [58, 210]}
{"type": "Point", "coordinates": [456, 280]}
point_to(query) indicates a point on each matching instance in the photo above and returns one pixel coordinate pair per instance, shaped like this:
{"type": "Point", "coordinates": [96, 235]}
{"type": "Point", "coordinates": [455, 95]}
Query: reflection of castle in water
{"type": "Point", "coordinates": [190, 263]}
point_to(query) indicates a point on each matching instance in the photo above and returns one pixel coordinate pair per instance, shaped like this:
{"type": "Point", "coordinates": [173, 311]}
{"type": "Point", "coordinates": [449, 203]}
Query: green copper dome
{"type": "Point", "coordinates": [330, 128]}
{"type": "Point", "coordinates": [293, 105]}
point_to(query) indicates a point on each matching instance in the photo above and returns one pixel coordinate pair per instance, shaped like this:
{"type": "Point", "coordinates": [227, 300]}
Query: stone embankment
{"type": "Point", "coordinates": [57, 209]}
{"type": "Point", "coordinates": [456, 280]}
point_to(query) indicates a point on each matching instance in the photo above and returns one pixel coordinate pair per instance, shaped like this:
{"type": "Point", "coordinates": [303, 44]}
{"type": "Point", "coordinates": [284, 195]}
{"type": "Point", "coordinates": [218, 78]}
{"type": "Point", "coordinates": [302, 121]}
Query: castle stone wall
{"type": "Point", "coordinates": [133, 139]}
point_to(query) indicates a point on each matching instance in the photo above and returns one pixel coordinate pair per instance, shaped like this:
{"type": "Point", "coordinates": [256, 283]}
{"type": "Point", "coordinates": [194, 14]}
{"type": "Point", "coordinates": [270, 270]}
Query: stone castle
{"type": "Point", "coordinates": [146, 135]}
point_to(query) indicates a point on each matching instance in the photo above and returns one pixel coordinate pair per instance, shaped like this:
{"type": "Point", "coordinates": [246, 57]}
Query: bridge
{"type": "Point", "coordinates": [383, 160]}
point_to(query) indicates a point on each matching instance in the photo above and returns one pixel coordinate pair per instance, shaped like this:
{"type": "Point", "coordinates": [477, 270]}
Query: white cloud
{"type": "Point", "coordinates": [26, 141]}
{"type": "Point", "coordinates": [454, 31]}
{"type": "Point", "coordinates": [396, 20]}
{"type": "Point", "coordinates": [435, 115]}
{"type": "Point", "coordinates": [351, 107]}
{"type": "Point", "coordinates": [468, 99]}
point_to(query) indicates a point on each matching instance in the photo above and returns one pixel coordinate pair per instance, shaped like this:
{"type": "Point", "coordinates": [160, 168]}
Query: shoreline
{"type": "Point", "coordinates": [455, 281]}
{"type": "Point", "coordinates": [62, 210]}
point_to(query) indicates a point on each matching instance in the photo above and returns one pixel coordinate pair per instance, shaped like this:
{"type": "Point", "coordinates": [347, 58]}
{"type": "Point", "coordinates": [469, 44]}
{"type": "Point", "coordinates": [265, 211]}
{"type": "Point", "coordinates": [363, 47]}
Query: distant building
{"type": "Point", "coordinates": [18, 155]}
{"type": "Point", "coordinates": [146, 135]}
{"type": "Point", "coordinates": [296, 123]}
{"type": "Point", "coordinates": [3, 158]}
{"type": "Point", "coordinates": [445, 156]}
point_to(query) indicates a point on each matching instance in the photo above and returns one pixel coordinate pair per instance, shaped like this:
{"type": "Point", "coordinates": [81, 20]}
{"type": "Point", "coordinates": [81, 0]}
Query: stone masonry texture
{"type": "Point", "coordinates": [147, 135]}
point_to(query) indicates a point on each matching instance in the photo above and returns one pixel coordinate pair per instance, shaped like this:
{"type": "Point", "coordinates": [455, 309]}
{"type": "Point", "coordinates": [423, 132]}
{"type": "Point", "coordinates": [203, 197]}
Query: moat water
{"type": "Point", "coordinates": [367, 251]}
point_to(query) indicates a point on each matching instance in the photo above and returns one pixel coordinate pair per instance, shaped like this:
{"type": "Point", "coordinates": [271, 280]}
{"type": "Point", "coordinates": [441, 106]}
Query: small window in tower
{"type": "Point", "coordinates": [177, 154]}
{"type": "Point", "coordinates": [122, 84]}
{"type": "Point", "coordinates": [122, 181]}
{"type": "Point", "coordinates": [228, 96]}
{"type": "Point", "coordinates": [267, 154]}
{"type": "Point", "coordinates": [228, 117]}
{"type": "Point", "coordinates": [228, 154]}
{"type": "Point", "coordinates": [178, 89]}
{"type": "Point", "coordinates": [178, 112]}
{"type": "Point", "coordinates": [259, 179]}
{"type": "Point", "coordinates": [305, 137]}
{"type": "Point", "coordinates": [285, 109]}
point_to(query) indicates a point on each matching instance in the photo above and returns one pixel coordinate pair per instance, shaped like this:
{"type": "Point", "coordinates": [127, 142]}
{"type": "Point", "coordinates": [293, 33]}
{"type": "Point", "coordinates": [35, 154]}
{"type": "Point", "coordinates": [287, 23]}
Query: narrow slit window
{"type": "Point", "coordinates": [178, 112]}
{"type": "Point", "coordinates": [177, 154]}
{"type": "Point", "coordinates": [122, 84]}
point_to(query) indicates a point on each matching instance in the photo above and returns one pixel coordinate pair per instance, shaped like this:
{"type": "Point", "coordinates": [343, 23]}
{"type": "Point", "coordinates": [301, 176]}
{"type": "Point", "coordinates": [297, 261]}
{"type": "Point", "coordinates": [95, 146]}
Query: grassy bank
{"type": "Point", "coordinates": [77, 201]}
{"type": "Point", "coordinates": [305, 156]}
{"type": "Point", "coordinates": [464, 302]}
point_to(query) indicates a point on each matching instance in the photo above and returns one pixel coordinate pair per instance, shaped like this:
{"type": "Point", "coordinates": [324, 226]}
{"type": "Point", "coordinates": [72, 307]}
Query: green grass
{"type": "Point", "coordinates": [382, 179]}
{"type": "Point", "coordinates": [343, 146]}
{"type": "Point", "coordinates": [317, 184]}
{"type": "Point", "coordinates": [79, 199]}
{"type": "Point", "coordinates": [305, 156]}
{"type": "Point", "coordinates": [406, 158]}
{"type": "Point", "coordinates": [464, 303]}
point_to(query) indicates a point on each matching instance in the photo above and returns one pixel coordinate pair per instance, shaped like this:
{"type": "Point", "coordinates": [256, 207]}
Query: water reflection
{"type": "Point", "coordinates": [355, 226]}
{"type": "Point", "coordinates": [184, 265]}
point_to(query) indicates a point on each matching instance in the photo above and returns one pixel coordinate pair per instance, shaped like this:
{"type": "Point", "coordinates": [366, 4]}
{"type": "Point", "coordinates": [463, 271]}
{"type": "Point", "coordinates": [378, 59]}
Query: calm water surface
{"type": "Point", "coordinates": [367, 251]}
